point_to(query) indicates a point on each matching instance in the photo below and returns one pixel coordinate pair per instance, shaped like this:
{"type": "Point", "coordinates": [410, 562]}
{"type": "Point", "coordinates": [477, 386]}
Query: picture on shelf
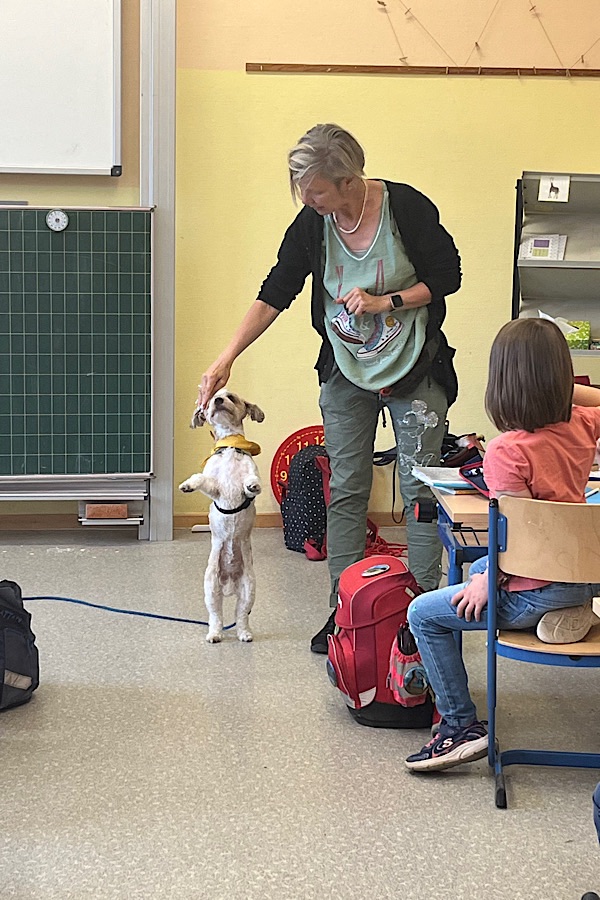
{"type": "Point", "coordinates": [554, 188]}
{"type": "Point", "coordinates": [543, 246]}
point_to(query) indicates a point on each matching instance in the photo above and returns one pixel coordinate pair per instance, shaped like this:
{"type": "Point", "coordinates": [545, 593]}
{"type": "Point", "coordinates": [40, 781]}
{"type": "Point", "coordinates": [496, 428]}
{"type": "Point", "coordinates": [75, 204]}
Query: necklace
{"type": "Point", "coordinates": [360, 218]}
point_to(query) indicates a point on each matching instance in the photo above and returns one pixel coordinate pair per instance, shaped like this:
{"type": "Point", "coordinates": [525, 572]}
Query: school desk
{"type": "Point", "coordinates": [462, 527]}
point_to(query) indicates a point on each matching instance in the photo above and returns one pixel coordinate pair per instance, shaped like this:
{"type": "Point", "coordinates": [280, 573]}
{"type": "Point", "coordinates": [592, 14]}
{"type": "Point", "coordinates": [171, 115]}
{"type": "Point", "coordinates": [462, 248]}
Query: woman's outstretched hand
{"type": "Point", "coordinates": [215, 377]}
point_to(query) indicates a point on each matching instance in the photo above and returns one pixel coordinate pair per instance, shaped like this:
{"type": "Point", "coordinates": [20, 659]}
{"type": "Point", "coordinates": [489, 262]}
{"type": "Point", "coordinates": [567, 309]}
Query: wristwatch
{"type": "Point", "coordinates": [396, 301]}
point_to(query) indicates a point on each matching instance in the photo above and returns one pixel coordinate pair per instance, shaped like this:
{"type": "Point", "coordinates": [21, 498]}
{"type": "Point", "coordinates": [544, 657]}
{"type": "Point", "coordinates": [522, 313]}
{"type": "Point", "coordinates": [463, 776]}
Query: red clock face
{"type": "Point", "coordinates": [280, 467]}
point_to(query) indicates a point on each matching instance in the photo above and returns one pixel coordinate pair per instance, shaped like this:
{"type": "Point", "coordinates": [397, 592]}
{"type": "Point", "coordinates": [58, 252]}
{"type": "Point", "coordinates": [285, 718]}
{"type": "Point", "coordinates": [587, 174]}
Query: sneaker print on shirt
{"type": "Point", "coordinates": [343, 327]}
{"type": "Point", "coordinates": [385, 326]}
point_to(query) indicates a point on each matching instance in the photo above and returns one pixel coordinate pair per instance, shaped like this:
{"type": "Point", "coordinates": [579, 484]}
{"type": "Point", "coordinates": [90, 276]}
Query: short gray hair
{"type": "Point", "coordinates": [328, 151]}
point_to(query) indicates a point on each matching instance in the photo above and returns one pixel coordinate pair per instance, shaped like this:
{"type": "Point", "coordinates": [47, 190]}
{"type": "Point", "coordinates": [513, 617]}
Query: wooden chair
{"type": "Point", "coordinates": [551, 542]}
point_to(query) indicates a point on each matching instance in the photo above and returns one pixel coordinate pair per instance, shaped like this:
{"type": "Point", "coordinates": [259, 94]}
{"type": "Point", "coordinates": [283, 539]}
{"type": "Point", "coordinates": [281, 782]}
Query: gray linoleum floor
{"type": "Point", "coordinates": [152, 765]}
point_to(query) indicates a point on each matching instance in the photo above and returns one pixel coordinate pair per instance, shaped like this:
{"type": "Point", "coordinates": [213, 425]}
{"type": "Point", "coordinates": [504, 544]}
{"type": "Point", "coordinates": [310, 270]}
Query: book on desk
{"type": "Point", "coordinates": [449, 481]}
{"type": "Point", "coordinates": [443, 478]}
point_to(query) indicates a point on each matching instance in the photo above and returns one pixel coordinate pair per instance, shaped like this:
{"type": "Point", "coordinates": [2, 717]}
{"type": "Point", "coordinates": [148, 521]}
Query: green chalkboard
{"type": "Point", "coordinates": [75, 343]}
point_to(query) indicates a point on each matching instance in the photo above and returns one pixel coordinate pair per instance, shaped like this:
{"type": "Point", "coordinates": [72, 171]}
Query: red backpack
{"type": "Point", "coordinates": [374, 595]}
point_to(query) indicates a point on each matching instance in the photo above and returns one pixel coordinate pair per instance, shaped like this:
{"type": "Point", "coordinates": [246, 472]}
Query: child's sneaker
{"type": "Point", "coordinates": [445, 751]}
{"type": "Point", "coordinates": [567, 625]}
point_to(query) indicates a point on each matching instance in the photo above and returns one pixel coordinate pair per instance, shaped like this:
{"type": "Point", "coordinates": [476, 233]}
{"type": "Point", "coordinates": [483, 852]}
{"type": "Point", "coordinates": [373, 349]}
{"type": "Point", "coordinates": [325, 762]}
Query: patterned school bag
{"type": "Point", "coordinates": [374, 595]}
{"type": "Point", "coordinates": [304, 501]}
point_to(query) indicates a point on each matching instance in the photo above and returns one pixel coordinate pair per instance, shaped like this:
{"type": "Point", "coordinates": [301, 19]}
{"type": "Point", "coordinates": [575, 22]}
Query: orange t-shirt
{"type": "Point", "coordinates": [553, 463]}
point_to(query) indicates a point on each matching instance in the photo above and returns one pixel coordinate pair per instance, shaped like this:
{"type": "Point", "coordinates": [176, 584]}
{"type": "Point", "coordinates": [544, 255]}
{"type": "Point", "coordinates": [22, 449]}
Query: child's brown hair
{"type": "Point", "coordinates": [530, 380]}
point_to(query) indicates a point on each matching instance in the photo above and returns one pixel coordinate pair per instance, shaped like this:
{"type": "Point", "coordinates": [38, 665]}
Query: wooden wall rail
{"type": "Point", "coordinates": [324, 69]}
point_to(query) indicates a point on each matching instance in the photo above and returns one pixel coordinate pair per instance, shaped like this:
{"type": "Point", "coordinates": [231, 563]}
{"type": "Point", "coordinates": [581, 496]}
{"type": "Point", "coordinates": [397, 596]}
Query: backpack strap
{"type": "Point", "coordinates": [378, 546]}
{"type": "Point", "coordinates": [322, 463]}
{"type": "Point", "coordinates": [313, 551]}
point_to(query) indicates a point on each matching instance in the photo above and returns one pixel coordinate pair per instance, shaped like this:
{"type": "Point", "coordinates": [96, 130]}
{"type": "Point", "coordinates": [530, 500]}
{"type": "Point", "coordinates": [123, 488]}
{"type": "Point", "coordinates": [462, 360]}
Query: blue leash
{"type": "Point", "coordinates": [125, 612]}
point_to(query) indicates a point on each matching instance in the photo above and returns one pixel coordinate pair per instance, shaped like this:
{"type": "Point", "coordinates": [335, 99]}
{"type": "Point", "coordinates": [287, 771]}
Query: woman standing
{"type": "Point", "coordinates": [381, 266]}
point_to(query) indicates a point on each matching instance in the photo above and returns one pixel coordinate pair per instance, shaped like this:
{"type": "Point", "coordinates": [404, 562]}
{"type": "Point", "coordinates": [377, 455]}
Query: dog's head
{"type": "Point", "coordinates": [226, 410]}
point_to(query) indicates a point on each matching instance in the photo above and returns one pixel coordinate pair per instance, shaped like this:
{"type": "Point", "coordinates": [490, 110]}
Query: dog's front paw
{"type": "Point", "coordinates": [252, 487]}
{"type": "Point", "coordinates": [186, 487]}
{"type": "Point", "coordinates": [244, 635]}
{"type": "Point", "coordinates": [214, 637]}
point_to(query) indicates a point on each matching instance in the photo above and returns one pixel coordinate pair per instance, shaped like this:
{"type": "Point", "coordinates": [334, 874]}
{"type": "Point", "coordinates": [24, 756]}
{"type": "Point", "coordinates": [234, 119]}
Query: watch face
{"type": "Point", "coordinates": [397, 301]}
{"type": "Point", "coordinates": [57, 220]}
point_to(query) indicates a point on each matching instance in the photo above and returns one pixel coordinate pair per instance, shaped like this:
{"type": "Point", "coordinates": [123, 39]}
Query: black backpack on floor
{"type": "Point", "coordinates": [304, 500]}
{"type": "Point", "coordinates": [19, 664]}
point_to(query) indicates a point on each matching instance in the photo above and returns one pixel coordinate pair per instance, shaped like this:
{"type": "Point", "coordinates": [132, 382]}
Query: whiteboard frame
{"type": "Point", "coordinates": [115, 168]}
{"type": "Point", "coordinates": [158, 33]}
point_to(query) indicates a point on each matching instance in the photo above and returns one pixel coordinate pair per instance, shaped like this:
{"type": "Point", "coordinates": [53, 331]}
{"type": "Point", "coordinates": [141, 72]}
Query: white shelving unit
{"type": "Point", "coordinates": [570, 287]}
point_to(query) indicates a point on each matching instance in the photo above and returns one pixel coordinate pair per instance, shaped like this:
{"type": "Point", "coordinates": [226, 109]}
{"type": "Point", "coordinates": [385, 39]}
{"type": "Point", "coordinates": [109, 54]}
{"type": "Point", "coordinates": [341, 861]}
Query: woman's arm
{"type": "Point", "coordinates": [256, 321]}
{"type": "Point", "coordinates": [360, 302]}
{"type": "Point", "coordinates": [429, 246]}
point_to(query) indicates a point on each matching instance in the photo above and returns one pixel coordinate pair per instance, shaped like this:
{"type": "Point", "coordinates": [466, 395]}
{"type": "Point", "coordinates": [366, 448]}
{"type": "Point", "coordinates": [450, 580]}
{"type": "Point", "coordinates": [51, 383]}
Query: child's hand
{"type": "Point", "coordinates": [472, 598]}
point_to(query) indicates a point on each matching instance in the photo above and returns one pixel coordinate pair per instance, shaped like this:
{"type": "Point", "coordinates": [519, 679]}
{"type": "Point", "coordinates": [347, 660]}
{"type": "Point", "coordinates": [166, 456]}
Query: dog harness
{"type": "Point", "coordinates": [238, 443]}
{"type": "Point", "coordinates": [244, 505]}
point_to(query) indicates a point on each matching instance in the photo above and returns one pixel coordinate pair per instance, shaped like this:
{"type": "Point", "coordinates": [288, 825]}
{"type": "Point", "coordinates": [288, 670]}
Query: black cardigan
{"type": "Point", "coordinates": [430, 249]}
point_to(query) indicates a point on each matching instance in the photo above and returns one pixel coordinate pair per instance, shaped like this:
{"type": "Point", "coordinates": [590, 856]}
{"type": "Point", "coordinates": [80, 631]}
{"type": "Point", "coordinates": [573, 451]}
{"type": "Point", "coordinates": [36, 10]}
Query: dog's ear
{"type": "Point", "coordinates": [255, 413]}
{"type": "Point", "coordinates": [198, 418]}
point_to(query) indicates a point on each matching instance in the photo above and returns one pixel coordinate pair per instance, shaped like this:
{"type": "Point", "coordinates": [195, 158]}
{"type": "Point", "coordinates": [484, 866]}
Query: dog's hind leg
{"type": "Point", "coordinates": [243, 607]}
{"type": "Point", "coordinates": [245, 593]}
{"type": "Point", "coordinates": [213, 598]}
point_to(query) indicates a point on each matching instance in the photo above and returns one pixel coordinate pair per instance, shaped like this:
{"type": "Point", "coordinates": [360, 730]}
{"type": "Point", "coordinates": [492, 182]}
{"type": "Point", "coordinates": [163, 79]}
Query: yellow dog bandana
{"type": "Point", "coordinates": [238, 442]}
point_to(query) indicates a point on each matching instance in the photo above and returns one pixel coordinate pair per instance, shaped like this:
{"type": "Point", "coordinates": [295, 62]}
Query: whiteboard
{"type": "Point", "coordinates": [60, 86]}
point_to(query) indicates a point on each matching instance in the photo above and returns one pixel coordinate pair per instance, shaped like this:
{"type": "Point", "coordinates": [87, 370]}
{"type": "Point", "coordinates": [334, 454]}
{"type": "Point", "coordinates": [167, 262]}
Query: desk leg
{"type": "Point", "coordinates": [457, 555]}
{"type": "Point", "coordinates": [455, 561]}
{"type": "Point", "coordinates": [455, 576]}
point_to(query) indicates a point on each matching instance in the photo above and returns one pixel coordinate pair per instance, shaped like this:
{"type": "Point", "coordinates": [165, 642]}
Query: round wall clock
{"type": "Point", "coordinates": [280, 467]}
{"type": "Point", "coordinates": [57, 220]}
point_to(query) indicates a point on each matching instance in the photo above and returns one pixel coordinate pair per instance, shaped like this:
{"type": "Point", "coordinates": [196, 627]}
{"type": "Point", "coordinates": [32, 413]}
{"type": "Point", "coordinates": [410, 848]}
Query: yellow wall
{"type": "Point", "coordinates": [226, 34]}
{"type": "Point", "coordinates": [462, 141]}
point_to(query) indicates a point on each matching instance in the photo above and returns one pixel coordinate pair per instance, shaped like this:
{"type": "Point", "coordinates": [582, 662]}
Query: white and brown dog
{"type": "Point", "coordinates": [230, 478]}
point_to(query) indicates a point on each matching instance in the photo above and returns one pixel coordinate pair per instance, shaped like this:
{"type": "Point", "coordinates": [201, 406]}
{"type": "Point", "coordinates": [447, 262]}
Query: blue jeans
{"type": "Point", "coordinates": [350, 417]}
{"type": "Point", "coordinates": [433, 621]}
{"type": "Point", "coordinates": [597, 809]}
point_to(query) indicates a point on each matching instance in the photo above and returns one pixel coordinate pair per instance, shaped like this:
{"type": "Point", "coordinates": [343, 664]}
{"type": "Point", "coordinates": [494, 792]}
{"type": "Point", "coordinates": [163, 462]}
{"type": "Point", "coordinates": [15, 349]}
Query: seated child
{"type": "Point", "coordinates": [545, 450]}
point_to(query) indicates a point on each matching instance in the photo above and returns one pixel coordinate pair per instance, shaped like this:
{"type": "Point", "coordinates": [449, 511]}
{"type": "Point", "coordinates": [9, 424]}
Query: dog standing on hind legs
{"type": "Point", "coordinates": [230, 478]}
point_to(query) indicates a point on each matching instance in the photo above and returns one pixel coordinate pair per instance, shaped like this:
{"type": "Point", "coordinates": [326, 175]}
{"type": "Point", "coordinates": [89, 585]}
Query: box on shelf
{"type": "Point", "coordinates": [580, 339]}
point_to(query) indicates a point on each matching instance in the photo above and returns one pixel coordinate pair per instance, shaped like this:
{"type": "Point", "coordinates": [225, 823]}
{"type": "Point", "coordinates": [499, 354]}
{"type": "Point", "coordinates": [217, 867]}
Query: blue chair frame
{"type": "Point", "coordinates": [497, 540]}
